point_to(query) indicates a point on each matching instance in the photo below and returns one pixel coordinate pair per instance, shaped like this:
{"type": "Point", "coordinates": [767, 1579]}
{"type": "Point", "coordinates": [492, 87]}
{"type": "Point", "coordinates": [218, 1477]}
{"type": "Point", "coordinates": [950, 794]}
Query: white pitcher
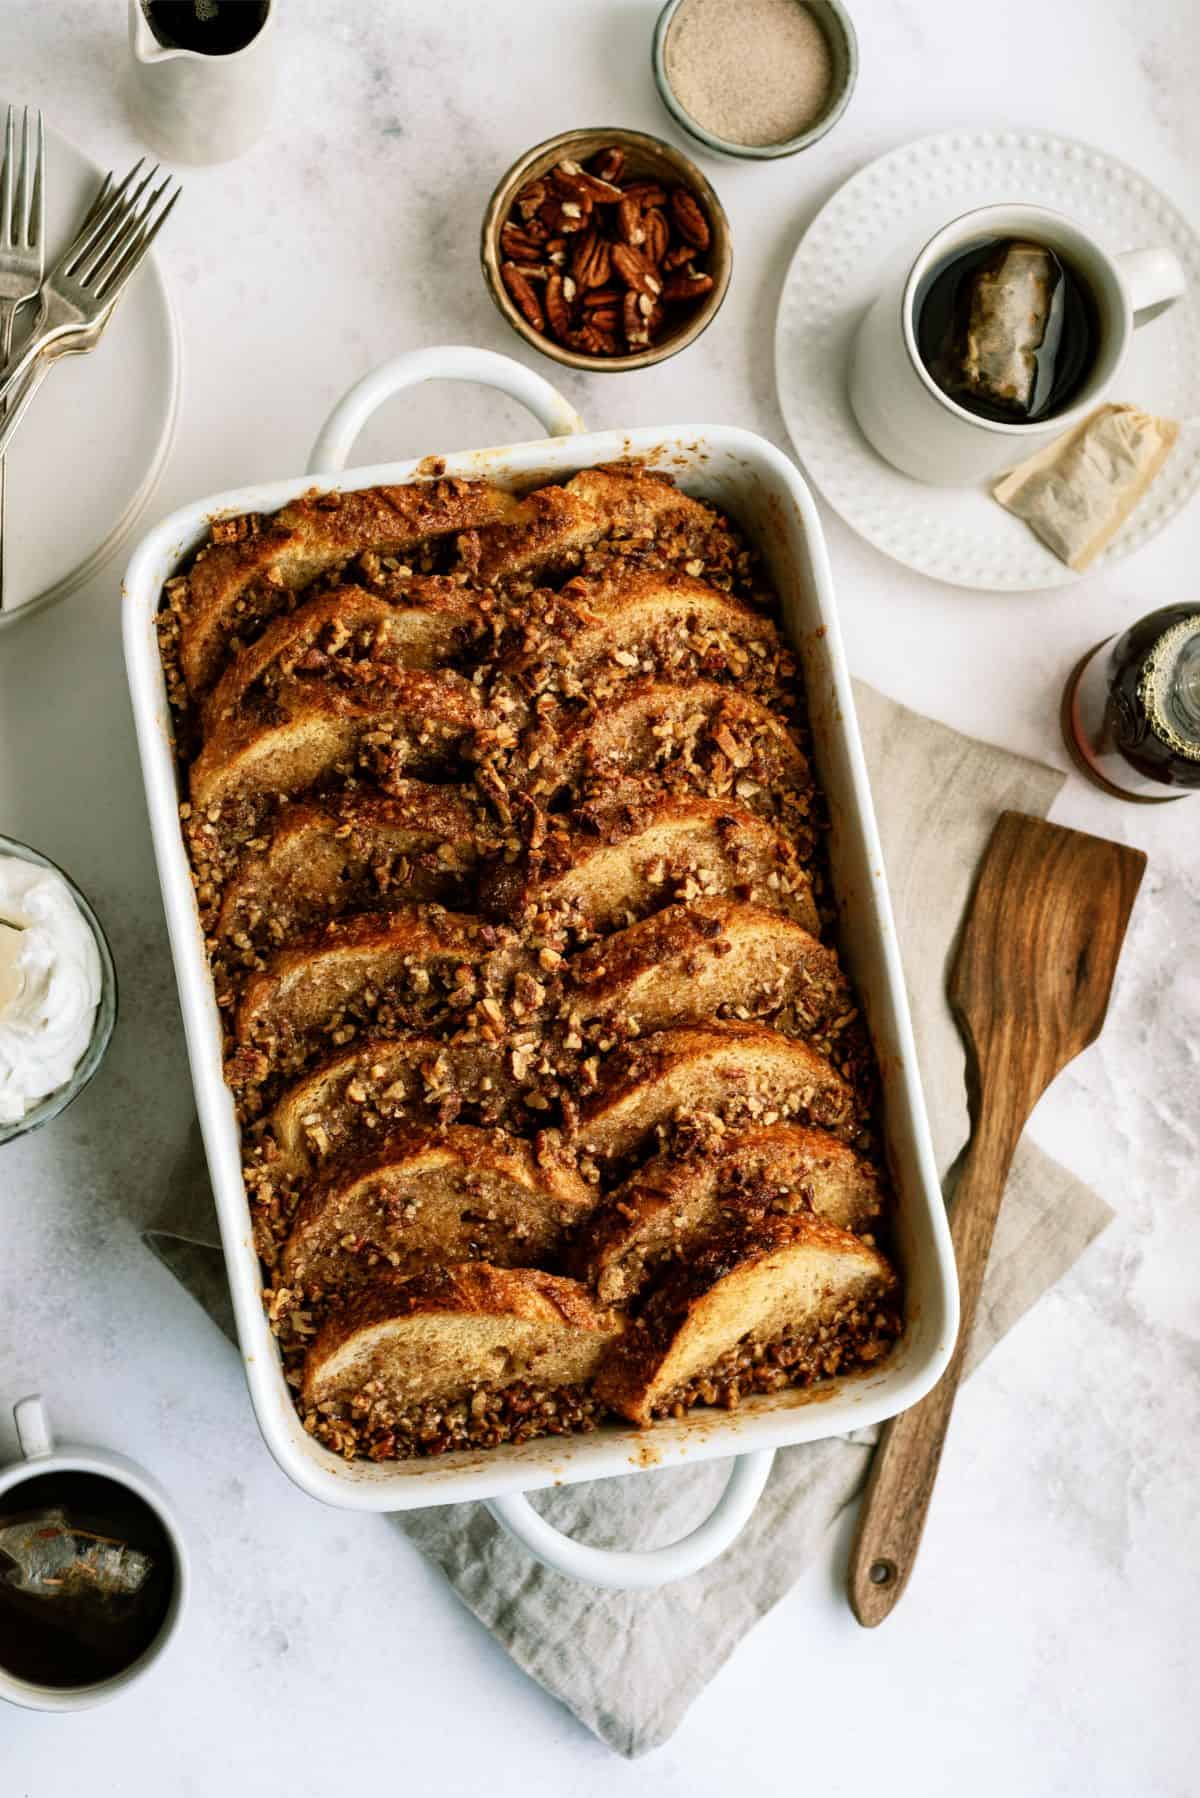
{"type": "Point", "coordinates": [193, 107]}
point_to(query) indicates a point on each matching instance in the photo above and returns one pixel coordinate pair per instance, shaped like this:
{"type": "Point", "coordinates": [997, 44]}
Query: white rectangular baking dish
{"type": "Point", "coordinates": [759, 487]}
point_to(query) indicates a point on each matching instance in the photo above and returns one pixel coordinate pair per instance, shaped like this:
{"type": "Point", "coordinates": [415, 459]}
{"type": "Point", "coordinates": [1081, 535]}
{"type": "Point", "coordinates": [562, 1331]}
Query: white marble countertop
{"type": "Point", "coordinates": [1045, 1643]}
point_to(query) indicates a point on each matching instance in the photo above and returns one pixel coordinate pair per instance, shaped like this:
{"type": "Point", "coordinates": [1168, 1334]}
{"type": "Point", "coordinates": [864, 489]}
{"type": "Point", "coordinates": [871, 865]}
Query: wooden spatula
{"type": "Point", "coordinates": [1029, 987]}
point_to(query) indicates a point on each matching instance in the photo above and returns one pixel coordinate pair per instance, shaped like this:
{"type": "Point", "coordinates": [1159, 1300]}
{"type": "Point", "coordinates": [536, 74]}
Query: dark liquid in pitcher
{"type": "Point", "coordinates": [1154, 696]}
{"type": "Point", "coordinates": [212, 27]}
{"type": "Point", "coordinates": [75, 1639]}
{"type": "Point", "coordinates": [1054, 314]}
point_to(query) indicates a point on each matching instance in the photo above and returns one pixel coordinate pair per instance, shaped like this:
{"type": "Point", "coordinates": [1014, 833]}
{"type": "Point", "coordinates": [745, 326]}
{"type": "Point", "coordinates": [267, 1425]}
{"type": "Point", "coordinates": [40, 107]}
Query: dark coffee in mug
{"type": "Point", "coordinates": [1009, 330]}
{"type": "Point", "coordinates": [210, 27]}
{"type": "Point", "coordinates": [87, 1573]}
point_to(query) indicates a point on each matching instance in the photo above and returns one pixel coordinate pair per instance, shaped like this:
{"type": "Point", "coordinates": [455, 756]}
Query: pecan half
{"type": "Point", "coordinates": [629, 222]}
{"type": "Point", "coordinates": [690, 221]}
{"type": "Point", "coordinates": [600, 297]}
{"type": "Point", "coordinates": [591, 261]}
{"type": "Point", "coordinates": [609, 165]}
{"type": "Point", "coordinates": [518, 246]}
{"type": "Point", "coordinates": [523, 296]}
{"type": "Point", "coordinates": [575, 182]}
{"type": "Point", "coordinates": [646, 193]}
{"type": "Point", "coordinates": [658, 234]}
{"type": "Point", "coordinates": [596, 342]}
{"type": "Point", "coordinates": [686, 287]}
{"type": "Point", "coordinates": [560, 291]}
{"type": "Point", "coordinates": [677, 257]}
{"type": "Point", "coordinates": [530, 198]}
{"type": "Point", "coordinates": [635, 271]}
{"type": "Point", "coordinates": [562, 217]}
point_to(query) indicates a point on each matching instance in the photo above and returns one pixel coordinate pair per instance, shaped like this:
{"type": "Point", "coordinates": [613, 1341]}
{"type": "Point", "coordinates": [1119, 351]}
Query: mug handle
{"type": "Point", "coordinates": [33, 1428]}
{"type": "Point", "coordinates": [632, 1570]}
{"type": "Point", "coordinates": [1155, 280]}
{"type": "Point", "coordinates": [444, 362]}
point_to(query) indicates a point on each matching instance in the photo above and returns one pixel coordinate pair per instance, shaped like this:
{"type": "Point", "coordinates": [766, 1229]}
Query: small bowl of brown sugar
{"type": "Point", "coordinates": [755, 78]}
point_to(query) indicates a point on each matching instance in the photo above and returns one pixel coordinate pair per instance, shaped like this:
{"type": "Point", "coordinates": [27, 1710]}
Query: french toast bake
{"type": "Point", "coordinates": [556, 1102]}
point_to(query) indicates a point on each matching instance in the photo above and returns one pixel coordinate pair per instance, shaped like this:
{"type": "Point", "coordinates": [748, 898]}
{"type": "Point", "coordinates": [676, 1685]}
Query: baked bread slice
{"type": "Point", "coordinates": [433, 1198]}
{"type": "Point", "coordinates": [355, 1098]}
{"type": "Point", "coordinates": [558, 524]}
{"type": "Point", "coordinates": [409, 969]}
{"type": "Point", "coordinates": [426, 624]}
{"type": "Point", "coordinates": [627, 857]}
{"type": "Point", "coordinates": [671, 1208]}
{"type": "Point", "coordinates": [395, 721]}
{"type": "Point", "coordinates": [712, 958]}
{"type": "Point", "coordinates": [702, 738]}
{"type": "Point", "coordinates": [468, 1355]}
{"type": "Point", "coordinates": [689, 1079]}
{"type": "Point", "coordinates": [601, 630]}
{"type": "Point", "coordinates": [252, 565]}
{"type": "Point", "coordinates": [783, 1301]}
{"type": "Point", "coordinates": [352, 851]}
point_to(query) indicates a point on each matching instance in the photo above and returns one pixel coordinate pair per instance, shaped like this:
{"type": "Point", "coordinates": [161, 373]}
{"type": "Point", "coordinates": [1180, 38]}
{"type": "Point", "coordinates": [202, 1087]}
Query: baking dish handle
{"type": "Point", "coordinates": [444, 362]}
{"type": "Point", "coordinates": [631, 1570]}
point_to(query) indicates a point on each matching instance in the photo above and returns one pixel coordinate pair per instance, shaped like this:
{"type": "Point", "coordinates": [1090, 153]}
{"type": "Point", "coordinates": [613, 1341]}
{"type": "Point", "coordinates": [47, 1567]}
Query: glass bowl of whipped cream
{"type": "Point", "coordinates": [58, 990]}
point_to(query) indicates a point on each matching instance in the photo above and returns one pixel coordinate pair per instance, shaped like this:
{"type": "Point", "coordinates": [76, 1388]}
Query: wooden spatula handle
{"type": "Point", "coordinates": [906, 1461]}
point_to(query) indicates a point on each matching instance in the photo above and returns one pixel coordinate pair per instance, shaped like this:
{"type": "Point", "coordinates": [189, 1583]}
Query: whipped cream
{"type": "Point", "coordinates": [49, 985]}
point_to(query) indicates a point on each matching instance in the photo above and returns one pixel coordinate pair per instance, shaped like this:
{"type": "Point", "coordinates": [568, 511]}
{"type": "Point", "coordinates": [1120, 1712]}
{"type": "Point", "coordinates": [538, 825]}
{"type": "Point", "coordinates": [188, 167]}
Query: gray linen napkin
{"type": "Point", "coordinates": [629, 1664]}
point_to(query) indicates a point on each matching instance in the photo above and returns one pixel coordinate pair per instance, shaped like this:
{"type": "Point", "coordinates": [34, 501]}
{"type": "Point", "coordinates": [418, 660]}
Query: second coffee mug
{"type": "Point", "coordinates": [922, 430]}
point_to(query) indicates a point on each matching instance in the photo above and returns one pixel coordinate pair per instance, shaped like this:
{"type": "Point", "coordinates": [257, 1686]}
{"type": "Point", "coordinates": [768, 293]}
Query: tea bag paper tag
{"type": "Point", "coordinates": [1077, 492]}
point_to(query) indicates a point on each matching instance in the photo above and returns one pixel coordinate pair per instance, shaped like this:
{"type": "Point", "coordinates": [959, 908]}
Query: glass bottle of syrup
{"type": "Point", "coordinates": [1131, 711]}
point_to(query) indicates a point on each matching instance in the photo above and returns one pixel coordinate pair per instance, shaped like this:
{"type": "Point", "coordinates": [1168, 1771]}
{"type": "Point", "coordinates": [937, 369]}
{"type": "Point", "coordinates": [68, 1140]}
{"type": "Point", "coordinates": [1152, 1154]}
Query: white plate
{"type": "Point", "coordinates": [888, 210]}
{"type": "Point", "coordinates": [89, 452]}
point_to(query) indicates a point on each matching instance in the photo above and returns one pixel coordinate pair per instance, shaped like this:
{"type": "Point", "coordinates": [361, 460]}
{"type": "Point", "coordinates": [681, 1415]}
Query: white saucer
{"type": "Point", "coordinates": [891, 208]}
{"type": "Point", "coordinates": [87, 456]}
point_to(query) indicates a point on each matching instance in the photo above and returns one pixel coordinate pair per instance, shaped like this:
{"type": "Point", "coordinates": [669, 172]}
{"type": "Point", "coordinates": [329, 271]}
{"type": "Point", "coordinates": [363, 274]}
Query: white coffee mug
{"type": "Point", "coordinates": [197, 107]}
{"type": "Point", "coordinates": [40, 1455]}
{"type": "Point", "coordinates": [922, 431]}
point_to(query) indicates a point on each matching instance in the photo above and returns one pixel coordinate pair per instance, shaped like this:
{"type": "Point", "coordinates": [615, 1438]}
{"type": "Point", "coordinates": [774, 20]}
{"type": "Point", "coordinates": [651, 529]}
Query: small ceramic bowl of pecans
{"type": "Point", "coordinates": [606, 249]}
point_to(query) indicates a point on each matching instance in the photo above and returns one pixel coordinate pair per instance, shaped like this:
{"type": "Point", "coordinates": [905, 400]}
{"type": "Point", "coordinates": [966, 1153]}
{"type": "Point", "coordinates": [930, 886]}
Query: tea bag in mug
{"type": "Point", "coordinates": [1077, 492]}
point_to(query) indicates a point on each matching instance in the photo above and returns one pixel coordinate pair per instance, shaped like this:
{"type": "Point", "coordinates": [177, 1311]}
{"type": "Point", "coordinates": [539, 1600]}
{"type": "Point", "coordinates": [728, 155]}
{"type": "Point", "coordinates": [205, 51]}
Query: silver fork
{"type": "Point", "coordinates": [22, 235]}
{"type": "Point", "coordinates": [82, 288]}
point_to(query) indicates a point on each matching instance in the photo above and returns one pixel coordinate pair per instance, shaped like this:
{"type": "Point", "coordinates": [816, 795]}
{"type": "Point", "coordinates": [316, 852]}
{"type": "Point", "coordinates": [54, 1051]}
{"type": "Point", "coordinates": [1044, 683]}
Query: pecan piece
{"type": "Point", "coordinates": [658, 234]}
{"type": "Point", "coordinates": [629, 222]}
{"type": "Point", "coordinates": [530, 198]}
{"type": "Point", "coordinates": [690, 221]}
{"type": "Point", "coordinates": [641, 317]}
{"type": "Point", "coordinates": [560, 291]}
{"type": "Point", "coordinates": [523, 296]}
{"type": "Point", "coordinates": [590, 263]}
{"type": "Point", "coordinates": [596, 342]}
{"type": "Point", "coordinates": [600, 297]}
{"type": "Point", "coordinates": [605, 318]}
{"type": "Point", "coordinates": [517, 245]}
{"type": "Point", "coordinates": [646, 193]}
{"type": "Point", "coordinates": [685, 287]}
{"type": "Point", "coordinates": [635, 271]}
{"type": "Point", "coordinates": [609, 165]}
{"type": "Point", "coordinates": [678, 257]}
{"type": "Point", "coordinates": [575, 182]}
{"type": "Point", "coordinates": [561, 217]}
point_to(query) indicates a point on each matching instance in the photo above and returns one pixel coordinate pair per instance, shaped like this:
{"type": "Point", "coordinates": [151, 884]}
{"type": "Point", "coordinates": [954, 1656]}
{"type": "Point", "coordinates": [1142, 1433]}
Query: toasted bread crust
{"type": "Point", "coordinates": [688, 1335]}
{"type": "Point", "coordinates": [711, 958]}
{"type": "Point", "coordinates": [679, 1078]}
{"type": "Point", "coordinates": [236, 584]}
{"type": "Point", "coordinates": [671, 1208]}
{"type": "Point", "coordinates": [428, 1198]}
{"type": "Point", "coordinates": [425, 629]}
{"type": "Point", "coordinates": [628, 857]}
